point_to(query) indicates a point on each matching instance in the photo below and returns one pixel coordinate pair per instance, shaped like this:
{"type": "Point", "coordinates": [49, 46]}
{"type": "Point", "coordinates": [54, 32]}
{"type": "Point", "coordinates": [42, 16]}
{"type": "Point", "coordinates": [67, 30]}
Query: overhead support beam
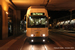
{"type": "Point", "coordinates": [66, 2]}
{"type": "Point", "coordinates": [12, 3]}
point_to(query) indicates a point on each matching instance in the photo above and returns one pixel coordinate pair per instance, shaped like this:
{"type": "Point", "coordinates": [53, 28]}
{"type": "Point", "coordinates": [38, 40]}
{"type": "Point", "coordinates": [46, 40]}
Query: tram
{"type": "Point", "coordinates": [37, 24]}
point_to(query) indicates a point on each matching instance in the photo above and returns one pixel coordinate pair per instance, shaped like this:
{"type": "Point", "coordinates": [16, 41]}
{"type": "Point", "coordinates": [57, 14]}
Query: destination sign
{"type": "Point", "coordinates": [37, 13]}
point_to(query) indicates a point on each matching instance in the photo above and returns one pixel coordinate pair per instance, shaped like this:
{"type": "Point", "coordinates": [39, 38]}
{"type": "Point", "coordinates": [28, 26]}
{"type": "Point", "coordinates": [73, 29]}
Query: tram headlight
{"type": "Point", "coordinates": [32, 35]}
{"type": "Point", "coordinates": [43, 40]}
{"type": "Point", "coordinates": [32, 40]}
{"type": "Point", "coordinates": [43, 35]}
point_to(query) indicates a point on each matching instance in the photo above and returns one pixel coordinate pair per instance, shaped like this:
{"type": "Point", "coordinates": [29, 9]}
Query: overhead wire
{"type": "Point", "coordinates": [47, 3]}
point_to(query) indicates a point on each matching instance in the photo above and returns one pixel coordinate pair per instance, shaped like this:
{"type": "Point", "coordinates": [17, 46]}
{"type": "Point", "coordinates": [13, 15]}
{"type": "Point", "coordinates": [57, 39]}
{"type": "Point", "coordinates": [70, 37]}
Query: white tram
{"type": "Point", "coordinates": [37, 24]}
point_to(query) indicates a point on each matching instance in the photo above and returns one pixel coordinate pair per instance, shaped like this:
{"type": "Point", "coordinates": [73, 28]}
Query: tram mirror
{"type": "Point", "coordinates": [49, 17]}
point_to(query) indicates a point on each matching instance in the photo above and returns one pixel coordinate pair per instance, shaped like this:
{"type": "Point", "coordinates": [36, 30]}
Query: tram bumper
{"type": "Point", "coordinates": [37, 39]}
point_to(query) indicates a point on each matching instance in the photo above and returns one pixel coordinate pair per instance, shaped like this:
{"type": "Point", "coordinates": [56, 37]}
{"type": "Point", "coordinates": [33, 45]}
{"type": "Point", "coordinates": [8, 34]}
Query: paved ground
{"type": "Point", "coordinates": [13, 43]}
{"type": "Point", "coordinates": [62, 30]}
{"type": "Point", "coordinates": [57, 41]}
{"type": "Point", "coordinates": [65, 32]}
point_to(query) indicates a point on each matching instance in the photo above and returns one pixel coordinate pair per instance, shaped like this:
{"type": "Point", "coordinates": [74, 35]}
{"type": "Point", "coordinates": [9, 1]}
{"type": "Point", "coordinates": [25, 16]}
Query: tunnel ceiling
{"type": "Point", "coordinates": [51, 5]}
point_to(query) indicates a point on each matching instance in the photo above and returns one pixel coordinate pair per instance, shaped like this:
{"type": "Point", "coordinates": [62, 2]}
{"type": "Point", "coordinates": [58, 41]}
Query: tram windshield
{"type": "Point", "coordinates": [37, 21]}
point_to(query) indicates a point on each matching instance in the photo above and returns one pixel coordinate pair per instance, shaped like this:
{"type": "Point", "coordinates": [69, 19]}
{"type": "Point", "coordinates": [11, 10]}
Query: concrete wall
{"type": "Point", "coordinates": [0, 2]}
{"type": "Point", "coordinates": [4, 19]}
{"type": "Point", "coordinates": [16, 17]}
{"type": "Point", "coordinates": [16, 22]}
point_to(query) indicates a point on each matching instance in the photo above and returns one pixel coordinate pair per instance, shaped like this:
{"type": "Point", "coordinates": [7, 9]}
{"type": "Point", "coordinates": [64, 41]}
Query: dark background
{"type": "Point", "coordinates": [52, 14]}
